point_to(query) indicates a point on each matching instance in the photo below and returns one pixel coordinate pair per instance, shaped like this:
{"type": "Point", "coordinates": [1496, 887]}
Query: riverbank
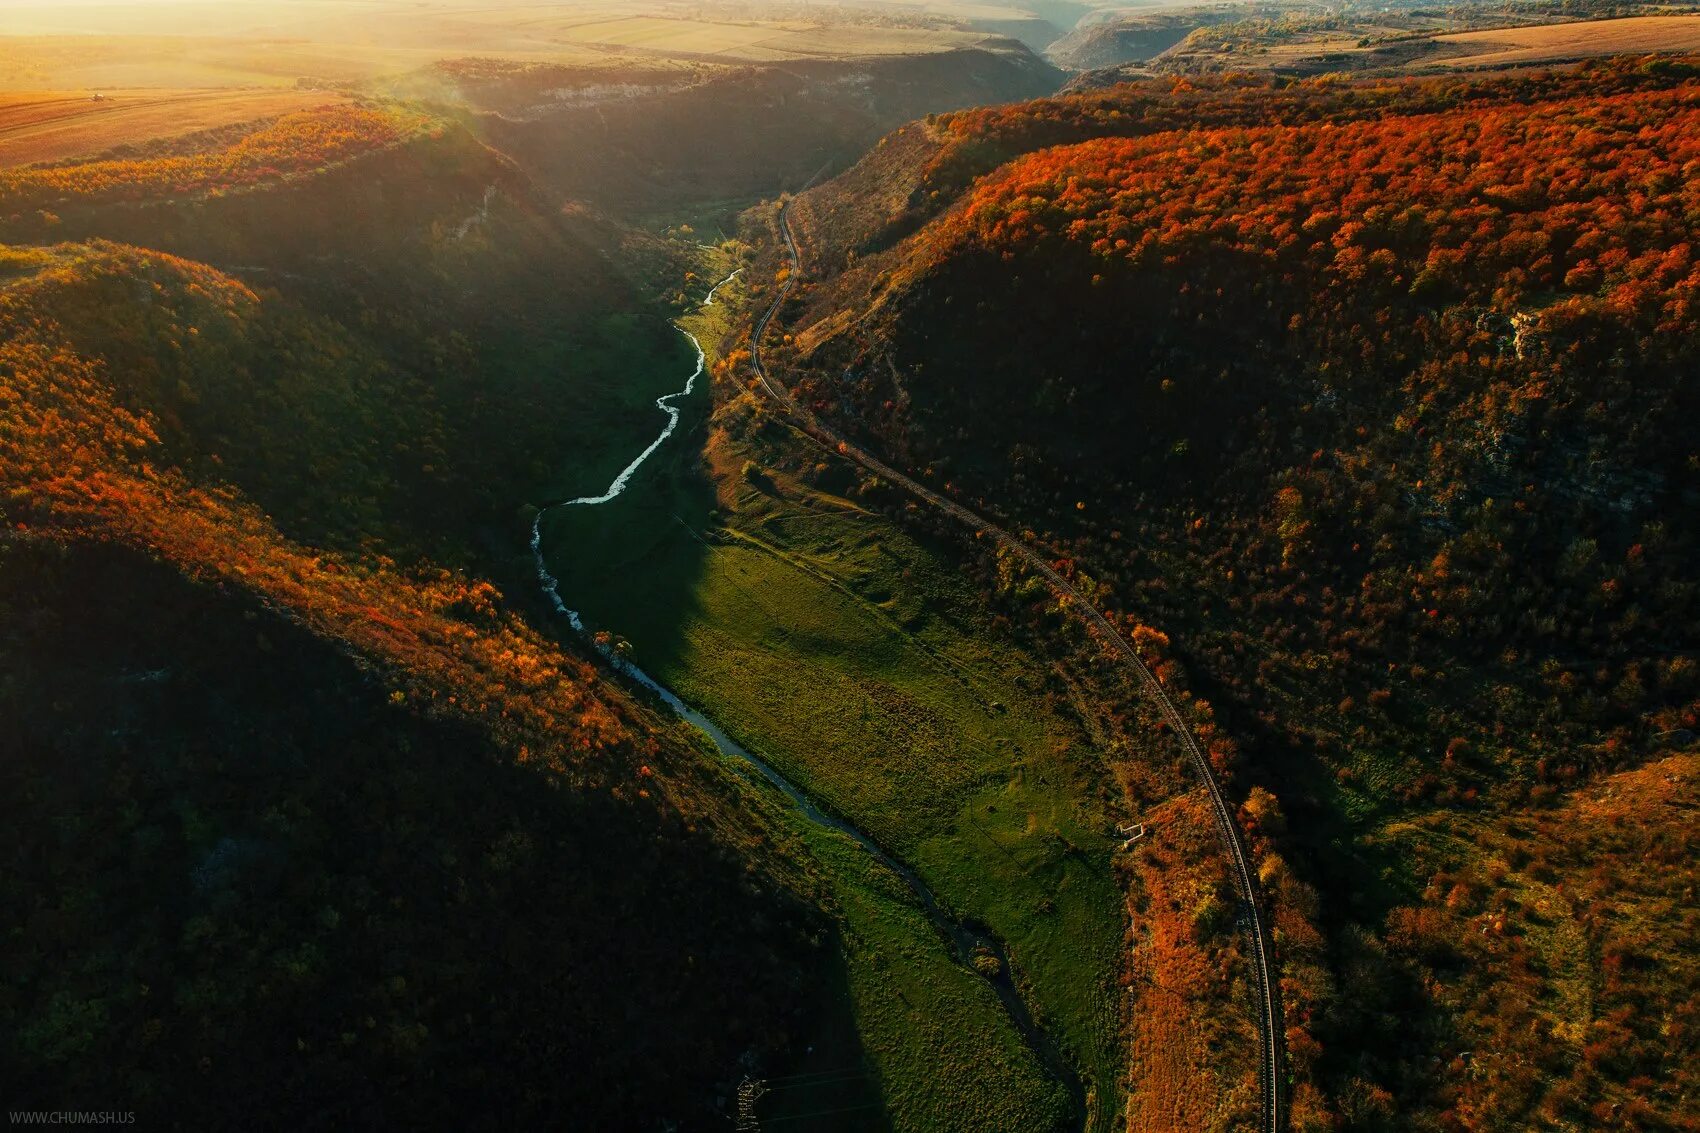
{"type": "Point", "coordinates": [751, 595]}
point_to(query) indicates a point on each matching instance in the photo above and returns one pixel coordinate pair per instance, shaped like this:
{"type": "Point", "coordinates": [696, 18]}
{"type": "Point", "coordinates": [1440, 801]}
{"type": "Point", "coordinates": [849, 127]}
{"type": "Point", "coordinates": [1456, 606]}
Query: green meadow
{"type": "Point", "coordinates": [856, 660]}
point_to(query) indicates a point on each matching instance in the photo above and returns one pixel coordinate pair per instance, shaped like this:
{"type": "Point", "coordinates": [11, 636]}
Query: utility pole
{"type": "Point", "coordinates": [748, 1093]}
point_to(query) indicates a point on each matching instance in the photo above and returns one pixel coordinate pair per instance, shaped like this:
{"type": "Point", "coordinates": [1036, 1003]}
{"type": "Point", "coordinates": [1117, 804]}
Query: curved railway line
{"type": "Point", "coordinates": [1253, 920]}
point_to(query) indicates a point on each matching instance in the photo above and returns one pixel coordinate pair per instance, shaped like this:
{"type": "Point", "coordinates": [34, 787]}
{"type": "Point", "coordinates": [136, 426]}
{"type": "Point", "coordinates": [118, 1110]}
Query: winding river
{"type": "Point", "coordinates": [967, 939]}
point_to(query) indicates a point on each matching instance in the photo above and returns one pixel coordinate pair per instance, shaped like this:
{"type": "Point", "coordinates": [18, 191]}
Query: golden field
{"type": "Point", "coordinates": [759, 41]}
{"type": "Point", "coordinates": [43, 126]}
{"type": "Point", "coordinates": [182, 45]}
{"type": "Point", "coordinates": [1554, 43]}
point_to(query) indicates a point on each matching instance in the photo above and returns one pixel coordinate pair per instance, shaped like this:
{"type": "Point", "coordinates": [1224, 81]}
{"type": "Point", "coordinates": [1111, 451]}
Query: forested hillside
{"type": "Point", "coordinates": [309, 823]}
{"type": "Point", "coordinates": [279, 402]}
{"type": "Point", "coordinates": [456, 675]}
{"type": "Point", "coordinates": [301, 142]}
{"type": "Point", "coordinates": [283, 876]}
{"type": "Point", "coordinates": [1374, 401]}
{"type": "Point", "coordinates": [425, 305]}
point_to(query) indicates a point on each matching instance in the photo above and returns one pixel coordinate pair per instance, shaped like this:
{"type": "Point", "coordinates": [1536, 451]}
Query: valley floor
{"type": "Point", "coordinates": [853, 657]}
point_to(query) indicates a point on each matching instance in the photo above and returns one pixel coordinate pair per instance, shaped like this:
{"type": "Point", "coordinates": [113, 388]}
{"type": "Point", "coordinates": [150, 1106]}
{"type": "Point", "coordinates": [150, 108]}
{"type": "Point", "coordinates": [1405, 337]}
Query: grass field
{"type": "Point", "coordinates": [1561, 42]}
{"type": "Point", "coordinates": [38, 126]}
{"type": "Point", "coordinates": [822, 636]}
{"type": "Point", "coordinates": [930, 1048]}
{"type": "Point", "coordinates": [946, 1055]}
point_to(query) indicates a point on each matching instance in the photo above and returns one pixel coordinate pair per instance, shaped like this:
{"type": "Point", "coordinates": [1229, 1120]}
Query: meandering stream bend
{"type": "Point", "coordinates": [966, 939]}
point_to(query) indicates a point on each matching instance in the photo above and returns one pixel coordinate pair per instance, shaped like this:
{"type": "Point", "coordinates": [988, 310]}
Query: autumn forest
{"type": "Point", "coordinates": [955, 569]}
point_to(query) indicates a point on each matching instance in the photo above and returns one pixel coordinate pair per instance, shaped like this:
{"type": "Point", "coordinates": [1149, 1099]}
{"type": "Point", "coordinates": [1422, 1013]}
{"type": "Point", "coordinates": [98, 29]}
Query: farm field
{"type": "Point", "coordinates": [65, 62]}
{"type": "Point", "coordinates": [1300, 39]}
{"type": "Point", "coordinates": [190, 45]}
{"type": "Point", "coordinates": [1552, 43]}
{"type": "Point", "coordinates": [291, 143]}
{"type": "Point", "coordinates": [42, 126]}
{"type": "Point", "coordinates": [759, 42]}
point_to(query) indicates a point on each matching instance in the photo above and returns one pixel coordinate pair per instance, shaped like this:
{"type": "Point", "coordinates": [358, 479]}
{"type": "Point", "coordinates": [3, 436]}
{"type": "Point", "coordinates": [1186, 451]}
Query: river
{"type": "Point", "coordinates": [964, 937]}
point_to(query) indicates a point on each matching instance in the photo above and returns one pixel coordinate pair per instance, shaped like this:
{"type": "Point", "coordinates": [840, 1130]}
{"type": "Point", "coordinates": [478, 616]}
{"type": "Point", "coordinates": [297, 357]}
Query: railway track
{"type": "Point", "coordinates": [1254, 921]}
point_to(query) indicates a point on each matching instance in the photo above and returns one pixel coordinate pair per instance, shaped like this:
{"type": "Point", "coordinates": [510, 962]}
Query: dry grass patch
{"type": "Point", "coordinates": [1193, 1052]}
{"type": "Point", "coordinates": [1553, 43]}
{"type": "Point", "coordinates": [1559, 941]}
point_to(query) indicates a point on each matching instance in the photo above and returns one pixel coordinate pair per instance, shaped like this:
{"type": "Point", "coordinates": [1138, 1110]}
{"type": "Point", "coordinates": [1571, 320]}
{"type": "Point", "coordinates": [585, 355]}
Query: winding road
{"type": "Point", "coordinates": [1254, 921]}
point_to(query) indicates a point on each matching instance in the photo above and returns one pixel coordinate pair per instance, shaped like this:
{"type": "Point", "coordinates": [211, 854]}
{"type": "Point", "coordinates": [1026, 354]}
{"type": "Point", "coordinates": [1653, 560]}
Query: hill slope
{"type": "Point", "coordinates": [375, 844]}
{"type": "Point", "coordinates": [736, 133]}
{"type": "Point", "coordinates": [443, 341]}
{"type": "Point", "coordinates": [1371, 397]}
{"type": "Point", "coordinates": [332, 909]}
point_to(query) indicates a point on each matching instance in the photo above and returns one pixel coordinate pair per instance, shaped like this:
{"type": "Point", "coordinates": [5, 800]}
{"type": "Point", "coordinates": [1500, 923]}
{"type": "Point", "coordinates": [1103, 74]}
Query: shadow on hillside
{"type": "Point", "coordinates": [632, 566]}
{"type": "Point", "coordinates": [829, 1087]}
{"type": "Point", "coordinates": [254, 892]}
